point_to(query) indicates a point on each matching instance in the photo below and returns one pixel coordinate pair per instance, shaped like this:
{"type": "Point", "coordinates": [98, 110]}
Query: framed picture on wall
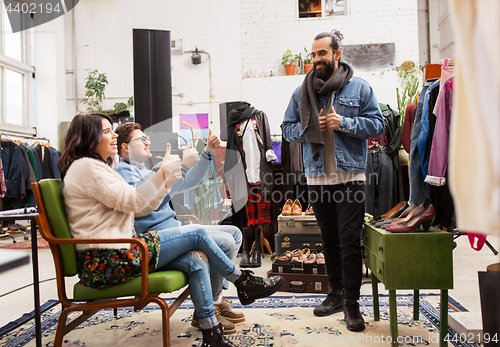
{"type": "Point", "coordinates": [192, 125]}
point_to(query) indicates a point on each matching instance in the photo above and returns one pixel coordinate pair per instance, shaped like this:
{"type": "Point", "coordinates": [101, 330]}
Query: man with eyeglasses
{"type": "Point", "coordinates": [333, 114]}
{"type": "Point", "coordinates": [133, 149]}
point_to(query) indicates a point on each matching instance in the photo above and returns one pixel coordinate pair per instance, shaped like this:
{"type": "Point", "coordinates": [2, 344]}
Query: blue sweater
{"type": "Point", "coordinates": [163, 216]}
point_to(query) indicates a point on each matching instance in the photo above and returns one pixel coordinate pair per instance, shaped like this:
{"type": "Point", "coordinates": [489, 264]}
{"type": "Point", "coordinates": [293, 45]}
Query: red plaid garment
{"type": "Point", "coordinates": [258, 206]}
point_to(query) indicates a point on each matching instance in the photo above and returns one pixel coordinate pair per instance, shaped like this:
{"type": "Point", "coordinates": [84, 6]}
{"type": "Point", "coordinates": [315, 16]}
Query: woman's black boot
{"type": "Point", "coordinates": [257, 254]}
{"type": "Point", "coordinates": [245, 255]}
{"type": "Point", "coordinates": [214, 337]}
{"type": "Point", "coordinates": [252, 287]}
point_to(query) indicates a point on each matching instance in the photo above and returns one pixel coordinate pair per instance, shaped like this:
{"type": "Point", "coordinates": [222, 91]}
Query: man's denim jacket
{"type": "Point", "coordinates": [361, 120]}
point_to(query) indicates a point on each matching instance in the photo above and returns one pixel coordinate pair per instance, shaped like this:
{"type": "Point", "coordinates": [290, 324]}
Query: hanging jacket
{"type": "Point", "coordinates": [235, 152]}
{"type": "Point", "coordinates": [14, 167]}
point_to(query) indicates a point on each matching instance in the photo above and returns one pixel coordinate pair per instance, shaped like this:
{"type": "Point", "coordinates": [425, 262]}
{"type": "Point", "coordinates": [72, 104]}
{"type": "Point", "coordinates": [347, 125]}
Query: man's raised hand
{"type": "Point", "coordinates": [333, 120]}
{"type": "Point", "coordinates": [190, 157]}
{"type": "Point", "coordinates": [213, 141]}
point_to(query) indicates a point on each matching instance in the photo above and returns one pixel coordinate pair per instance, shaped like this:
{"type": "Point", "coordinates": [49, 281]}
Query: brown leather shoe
{"type": "Point", "coordinates": [309, 211]}
{"type": "Point", "coordinates": [226, 312]}
{"type": "Point", "coordinates": [297, 208]}
{"type": "Point", "coordinates": [287, 208]}
{"type": "Point", "coordinates": [301, 255]}
{"type": "Point", "coordinates": [285, 257]}
{"type": "Point", "coordinates": [320, 258]}
{"type": "Point", "coordinates": [227, 326]}
{"type": "Point", "coordinates": [311, 260]}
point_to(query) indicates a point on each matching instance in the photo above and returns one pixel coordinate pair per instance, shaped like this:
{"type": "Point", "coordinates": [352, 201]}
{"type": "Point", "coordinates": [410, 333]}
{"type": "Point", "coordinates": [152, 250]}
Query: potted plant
{"type": "Point", "coordinates": [308, 65]}
{"type": "Point", "coordinates": [288, 61]}
{"type": "Point", "coordinates": [95, 84]}
{"type": "Point", "coordinates": [94, 91]}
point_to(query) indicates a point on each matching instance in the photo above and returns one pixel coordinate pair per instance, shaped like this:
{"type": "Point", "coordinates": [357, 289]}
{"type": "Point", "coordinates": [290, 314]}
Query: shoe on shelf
{"type": "Point", "coordinates": [284, 258]}
{"type": "Point", "coordinates": [353, 318]}
{"type": "Point", "coordinates": [393, 212]}
{"type": "Point", "coordinates": [297, 208]}
{"type": "Point", "coordinates": [300, 255]}
{"type": "Point", "coordinates": [225, 311]}
{"type": "Point", "coordinates": [228, 327]}
{"type": "Point", "coordinates": [252, 287]}
{"type": "Point", "coordinates": [320, 258]}
{"type": "Point", "coordinates": [424, 217]}
{"type": "Point", "coordinates": [215, 338]}
{"type": "Point", "coordinates": [287, 208]}
{"type": "Point", "coordinates": [332, 304]}
{"type": "Point", "coordinates": [309, 211]}
{"type": "Point", "coordinates": [311, 259]}
{"type": "Point", "coordinates": [381, 222]}
{"type": "Point", "coordinates": [417, 210]}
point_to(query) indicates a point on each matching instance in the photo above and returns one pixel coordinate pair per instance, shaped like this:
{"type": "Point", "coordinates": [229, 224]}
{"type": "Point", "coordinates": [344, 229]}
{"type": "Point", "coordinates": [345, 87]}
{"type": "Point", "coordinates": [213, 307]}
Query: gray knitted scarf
{"type": "Point", "coordinates": [309, 105]}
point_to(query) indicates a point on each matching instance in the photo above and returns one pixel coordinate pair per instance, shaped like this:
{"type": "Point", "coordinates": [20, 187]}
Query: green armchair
{"type": "Point", "coordinates": [138, 292]}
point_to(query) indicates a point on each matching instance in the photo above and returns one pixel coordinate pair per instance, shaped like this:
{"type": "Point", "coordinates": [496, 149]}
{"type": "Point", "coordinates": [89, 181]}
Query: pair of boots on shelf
{"type": "Point", "coordinates": [256, 260]}
{"type": "Point", "coordinates": [257, 252]}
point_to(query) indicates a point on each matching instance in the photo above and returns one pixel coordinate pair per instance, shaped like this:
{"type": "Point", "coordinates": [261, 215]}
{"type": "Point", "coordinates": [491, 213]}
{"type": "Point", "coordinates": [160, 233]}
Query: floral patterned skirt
{"type": "Point", "coordinates": [98, 268]}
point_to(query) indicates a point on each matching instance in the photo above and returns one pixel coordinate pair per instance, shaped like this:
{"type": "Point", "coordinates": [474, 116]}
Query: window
{"type": "Point", "coordinates": [321, 8]}
{"type": "Point", "coordinates": [16, 75]}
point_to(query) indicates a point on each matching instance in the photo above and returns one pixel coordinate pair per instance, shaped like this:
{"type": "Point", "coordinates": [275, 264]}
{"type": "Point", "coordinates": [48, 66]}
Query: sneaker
{"type": "Point", "coordinates": [227, 326]}
{"type": "Point", "coordinates": [252, 287]}
{"type": "Point", "coordinates": [333, 303]}
{"type": "Point", "coordinates": [215, 338]}
{"type": "Point", "coordinates": [226, 312]}
{"type": "Point", "coordinates": [353, 318]}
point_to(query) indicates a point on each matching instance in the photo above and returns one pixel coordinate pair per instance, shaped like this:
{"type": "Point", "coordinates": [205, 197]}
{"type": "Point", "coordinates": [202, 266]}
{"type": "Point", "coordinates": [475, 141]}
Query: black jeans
{"type": "Point", "coordinates": [340, 210]}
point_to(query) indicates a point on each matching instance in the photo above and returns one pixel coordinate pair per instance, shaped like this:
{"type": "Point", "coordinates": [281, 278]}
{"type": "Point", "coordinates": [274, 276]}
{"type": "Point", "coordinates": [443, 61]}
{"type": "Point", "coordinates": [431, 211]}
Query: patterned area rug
{"type": "Point", "coordinates": [275, 321]}
{"type": "Point", "coordinates": [42, 244]}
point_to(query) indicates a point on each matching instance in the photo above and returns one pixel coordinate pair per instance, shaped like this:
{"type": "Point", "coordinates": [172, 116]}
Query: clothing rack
{"type": "Point", "coordinates": [2, 134]}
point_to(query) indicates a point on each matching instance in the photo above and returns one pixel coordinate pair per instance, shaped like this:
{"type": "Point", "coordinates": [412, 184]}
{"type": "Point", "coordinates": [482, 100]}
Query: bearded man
{"type": "Point", "coordinates": [333, 114]}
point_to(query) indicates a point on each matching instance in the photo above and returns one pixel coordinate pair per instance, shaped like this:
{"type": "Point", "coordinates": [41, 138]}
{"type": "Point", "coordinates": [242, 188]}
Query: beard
{"type": "Point", "coordinates": [323, 74]}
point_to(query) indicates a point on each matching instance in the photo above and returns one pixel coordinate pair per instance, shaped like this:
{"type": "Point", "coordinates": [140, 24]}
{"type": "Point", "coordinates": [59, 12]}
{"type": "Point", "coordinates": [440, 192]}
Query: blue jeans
{"type": "Point", "coordinates": [418, 190]}
{"type": "Point", "coordinates": [228, 238]}
{"type": "Point", "coordinates": [175, 244]}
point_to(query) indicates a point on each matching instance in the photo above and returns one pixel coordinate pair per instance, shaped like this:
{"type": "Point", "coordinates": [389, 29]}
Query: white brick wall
{"type": "Point", "coordinates": [270, 27]}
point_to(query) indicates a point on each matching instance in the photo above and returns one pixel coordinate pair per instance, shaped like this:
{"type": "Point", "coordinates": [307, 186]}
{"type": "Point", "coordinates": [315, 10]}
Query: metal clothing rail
{"type": "Point", "coordinates": [2, 134]}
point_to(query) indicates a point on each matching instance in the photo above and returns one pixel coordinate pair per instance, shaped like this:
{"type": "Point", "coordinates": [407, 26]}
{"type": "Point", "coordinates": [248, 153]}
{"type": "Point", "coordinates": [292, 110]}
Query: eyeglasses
{"type": "Point", "coordinates": [145, 139]}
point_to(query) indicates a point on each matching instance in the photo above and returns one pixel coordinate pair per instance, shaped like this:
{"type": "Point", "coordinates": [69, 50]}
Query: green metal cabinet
{"type": "Point", "coordinates": [418, 260]}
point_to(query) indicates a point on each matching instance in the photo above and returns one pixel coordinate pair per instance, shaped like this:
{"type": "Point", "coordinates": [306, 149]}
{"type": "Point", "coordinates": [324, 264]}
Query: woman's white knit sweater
{"type": "Point", "coordinates": [100, 204]}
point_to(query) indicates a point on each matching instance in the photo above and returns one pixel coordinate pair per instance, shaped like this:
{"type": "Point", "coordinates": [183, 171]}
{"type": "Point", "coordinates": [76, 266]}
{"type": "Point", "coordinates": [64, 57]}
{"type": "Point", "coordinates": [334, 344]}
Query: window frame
{"type": "Point", "coordinates": [24, 68]}
{"type": "Point", "coordinates": [323, 13]}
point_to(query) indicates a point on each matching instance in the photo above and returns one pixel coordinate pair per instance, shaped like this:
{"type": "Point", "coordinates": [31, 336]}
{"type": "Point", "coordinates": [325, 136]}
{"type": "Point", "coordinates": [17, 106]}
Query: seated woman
{"type": "Point", "coordinates": [100, 204]}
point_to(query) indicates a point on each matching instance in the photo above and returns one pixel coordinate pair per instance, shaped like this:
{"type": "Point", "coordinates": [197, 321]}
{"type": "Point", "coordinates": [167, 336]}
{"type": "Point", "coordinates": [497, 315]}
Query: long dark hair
{"type": "Point", "coordinates": [83, 136]}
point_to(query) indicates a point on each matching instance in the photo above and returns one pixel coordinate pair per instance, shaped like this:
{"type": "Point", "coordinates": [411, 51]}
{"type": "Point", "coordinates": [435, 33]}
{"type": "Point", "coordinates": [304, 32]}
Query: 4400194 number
{"type": "Point", "coordinates": [469, 338]}
{"type": "Point", "coordinates": [26, 7]}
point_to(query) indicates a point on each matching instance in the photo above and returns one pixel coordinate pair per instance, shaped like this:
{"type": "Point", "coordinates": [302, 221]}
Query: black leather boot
{"type": "Point", "coordinates": [352, 315]}
{"type": "Point", "coordinates": [252, 287]}
{"type": "Point", "coordinates": [214, 337]}
{"type": "Point", "coordinates": [245, 255]}
{"type": "Point", "coordinates": [333, 303]}
{"type": "Point", "coordinates": [257, 253]}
